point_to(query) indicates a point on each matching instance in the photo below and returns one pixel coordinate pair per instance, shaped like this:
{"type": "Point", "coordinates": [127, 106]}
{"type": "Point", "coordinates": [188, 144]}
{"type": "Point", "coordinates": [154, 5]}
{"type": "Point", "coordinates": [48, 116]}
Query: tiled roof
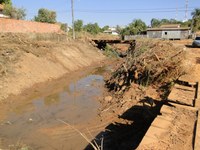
{"type": "Point", "coordinates": [170, 26]}
{"type": "Point", "coordinates": [167, 29]}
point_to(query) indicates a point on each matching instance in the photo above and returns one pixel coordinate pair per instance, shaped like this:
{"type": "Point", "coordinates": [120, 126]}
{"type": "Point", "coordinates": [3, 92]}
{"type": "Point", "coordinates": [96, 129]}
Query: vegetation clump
{"type": "Point", "coordinates": [151, 63]}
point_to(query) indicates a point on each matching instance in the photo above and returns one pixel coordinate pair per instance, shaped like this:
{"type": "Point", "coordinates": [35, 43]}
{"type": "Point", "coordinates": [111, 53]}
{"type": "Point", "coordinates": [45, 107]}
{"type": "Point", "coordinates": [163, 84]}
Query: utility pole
{"type": "Point", "coordinates": [72, 3]}
{"type": "Point", "coordinates": [176, 18]}
{"type": "Point", "coordinates": [186, 10]}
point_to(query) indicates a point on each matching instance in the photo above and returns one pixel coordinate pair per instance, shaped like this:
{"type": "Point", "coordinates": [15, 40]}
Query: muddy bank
{"type": "Point", "coordinates": [24, 62]}
{"type": "Point", "coordinates": [35, 120]}
{"type": "Point", "coordinates": [31, 119]}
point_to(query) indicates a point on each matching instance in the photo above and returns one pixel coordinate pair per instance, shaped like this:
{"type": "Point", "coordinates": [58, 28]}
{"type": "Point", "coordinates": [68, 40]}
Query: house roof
{"type": "Point", "coordinates": [167, 29]}
{"type": "Point", "coordinates": [170, 26]}
{"type": "Point", "coordinates": [1, 7]}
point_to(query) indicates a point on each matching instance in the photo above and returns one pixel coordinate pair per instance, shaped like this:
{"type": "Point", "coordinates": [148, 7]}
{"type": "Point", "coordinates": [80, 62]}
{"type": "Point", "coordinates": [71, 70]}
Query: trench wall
{"type": "Point", "coordinates": [22, 26]}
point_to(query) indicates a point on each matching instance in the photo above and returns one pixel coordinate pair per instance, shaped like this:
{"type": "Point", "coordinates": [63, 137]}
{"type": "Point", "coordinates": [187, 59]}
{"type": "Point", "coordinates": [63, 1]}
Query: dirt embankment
{"type": "Point", "coordinates": [24, 62]}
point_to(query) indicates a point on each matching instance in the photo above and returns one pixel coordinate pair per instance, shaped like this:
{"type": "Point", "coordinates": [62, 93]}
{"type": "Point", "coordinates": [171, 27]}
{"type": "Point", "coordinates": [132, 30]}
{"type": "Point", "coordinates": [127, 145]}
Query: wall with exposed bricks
{"type": "Point", "coordinates": [22, 26]}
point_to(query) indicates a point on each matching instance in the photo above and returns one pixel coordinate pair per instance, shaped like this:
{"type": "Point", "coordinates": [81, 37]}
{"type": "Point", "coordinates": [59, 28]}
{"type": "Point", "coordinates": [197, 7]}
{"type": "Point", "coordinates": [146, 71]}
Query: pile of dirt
{"type": "Point", "coordinates": [152, 62]}
{"type": "Point", "coordinates": [25, 62]}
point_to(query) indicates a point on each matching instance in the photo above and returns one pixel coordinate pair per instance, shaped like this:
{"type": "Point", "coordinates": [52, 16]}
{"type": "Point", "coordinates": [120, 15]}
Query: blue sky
{"type": "Point", "coordinates": [111, 12]}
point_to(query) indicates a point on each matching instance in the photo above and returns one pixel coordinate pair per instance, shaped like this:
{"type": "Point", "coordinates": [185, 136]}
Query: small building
{"type": "Point", "coordinates": [172, 31]}
{"type": "Point", "coordinates": [111, 31]}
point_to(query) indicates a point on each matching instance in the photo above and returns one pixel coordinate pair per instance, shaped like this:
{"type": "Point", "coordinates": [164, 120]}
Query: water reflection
{"type": "Point", "coordinates": [52, 99]}
{"type": "Point", "coordinates": [75, 103]}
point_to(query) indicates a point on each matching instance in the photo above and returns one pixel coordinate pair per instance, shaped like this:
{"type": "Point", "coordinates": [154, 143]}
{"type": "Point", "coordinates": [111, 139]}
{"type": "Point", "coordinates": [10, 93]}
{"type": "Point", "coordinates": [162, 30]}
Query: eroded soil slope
{"type": "Point", "coordinates": [24, 62]}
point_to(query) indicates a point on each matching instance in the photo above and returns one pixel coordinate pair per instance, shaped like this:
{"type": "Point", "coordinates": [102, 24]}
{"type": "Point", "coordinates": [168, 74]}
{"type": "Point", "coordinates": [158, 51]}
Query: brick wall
{"type": "Point", "coordinates": [21, 26]}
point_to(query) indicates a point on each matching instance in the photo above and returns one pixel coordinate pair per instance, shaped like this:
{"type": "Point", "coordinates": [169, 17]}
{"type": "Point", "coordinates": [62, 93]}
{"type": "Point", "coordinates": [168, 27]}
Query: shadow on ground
{"type": "Point", "coordinates": [127, 134]}
{"type": "Point", "coordinates": [189, 46]}
{"type": "Point", "coordinates": [198, 60]}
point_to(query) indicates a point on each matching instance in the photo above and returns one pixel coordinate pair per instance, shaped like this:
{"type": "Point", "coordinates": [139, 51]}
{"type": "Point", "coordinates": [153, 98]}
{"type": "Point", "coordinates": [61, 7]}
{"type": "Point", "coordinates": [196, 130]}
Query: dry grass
{"type": "Point", "coordinates": [152, 62]}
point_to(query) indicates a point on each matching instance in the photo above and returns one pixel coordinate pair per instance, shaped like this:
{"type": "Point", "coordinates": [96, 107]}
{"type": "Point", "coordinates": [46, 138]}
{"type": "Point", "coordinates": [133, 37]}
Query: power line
{"type": "Point", "coordinates": [152, 10]}
{"type": "Point", "coordinates": [121, 12]}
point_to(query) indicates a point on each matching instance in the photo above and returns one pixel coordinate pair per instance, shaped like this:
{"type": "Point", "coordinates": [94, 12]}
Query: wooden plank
{"type": "Point", "coordinates": [182, 95]}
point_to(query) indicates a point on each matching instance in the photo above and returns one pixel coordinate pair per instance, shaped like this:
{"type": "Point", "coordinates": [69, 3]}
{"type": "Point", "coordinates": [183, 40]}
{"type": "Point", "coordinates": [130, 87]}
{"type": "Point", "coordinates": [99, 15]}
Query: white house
{"type": "Point", "coordinates": [111, 30]}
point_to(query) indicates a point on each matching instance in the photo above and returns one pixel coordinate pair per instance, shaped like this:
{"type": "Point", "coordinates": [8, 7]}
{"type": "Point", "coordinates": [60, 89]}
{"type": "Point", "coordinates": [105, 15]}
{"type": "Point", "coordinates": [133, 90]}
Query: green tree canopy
{"type": "Point", "coordinates": [45, 15]}
{"type": "Point", "coordinates": [14, 13]}
{"type": "Point", "coordinates": [92, 28]}
{"type": "Point", "coordinates": [78, 25]}
{"type": "Point", "coordinates": [155, 23]}
{"type": "Point", "coordinates": [105, 28]}
{"type": "Point", "coordinates": [196, 19]}
{"type": "Point", "coordinates": [6, 2]}
{"type": "Point", "coordinates": [119, 29]}
{"type": "Point", "coordinates": [135, 27]}
{"type": "Point", "coordinates": [196, 13]}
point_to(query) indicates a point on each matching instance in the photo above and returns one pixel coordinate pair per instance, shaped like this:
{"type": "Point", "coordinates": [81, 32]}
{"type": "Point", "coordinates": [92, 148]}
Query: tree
{"type": "Point", "coordinates": [105, 28]}
{"type": "Point", "coordinates": [125, 31]}
{"type": "Point", "coordinates": [13, 12]}
{"type": "Point", "coordinates": [155, 23]}
{"type": "Point", "coordinates": [196, 13]}
{"type": "Point", "coordinates": [165, 21]}
{"type": "Point", "coordinates": [78, 25]}
{"type": "Point", "coordinates": [137, 26]}
{"type": "Point", "coordinates": [64, 27]}
{"type": "Point", "coordinates": [118, 29]}
{"type": "Point", "coordinates": [186, 23]}
{"type": "Point", "coordinates": [6, 2]}
{"type": "Point", "coordinates": [92, 28]}
{"type": "Point", "coordinates": [196, 19]}
{"type": "Point", "coordinates": [45, 15]}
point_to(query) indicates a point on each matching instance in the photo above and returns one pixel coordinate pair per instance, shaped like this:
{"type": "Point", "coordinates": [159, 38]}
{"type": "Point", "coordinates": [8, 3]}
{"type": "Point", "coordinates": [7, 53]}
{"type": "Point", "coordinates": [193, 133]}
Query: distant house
{"type": "Point", "coordinates": [111, 31]}
{"type": "Point", "coordinates": [1, 12]}
{"type": "Point", "coordinates": [172, 31]}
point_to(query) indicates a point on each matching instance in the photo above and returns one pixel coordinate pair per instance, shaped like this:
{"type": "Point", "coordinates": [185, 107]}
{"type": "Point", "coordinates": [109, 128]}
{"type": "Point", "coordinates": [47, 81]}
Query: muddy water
{"type": "Point", "coordinates": [36, 123]}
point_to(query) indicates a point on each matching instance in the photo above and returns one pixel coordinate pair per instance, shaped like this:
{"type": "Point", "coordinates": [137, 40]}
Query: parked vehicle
{"type": "Point", "coordinates": [196, 42]}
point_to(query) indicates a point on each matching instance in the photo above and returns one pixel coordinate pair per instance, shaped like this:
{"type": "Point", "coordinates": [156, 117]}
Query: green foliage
{"type": "Point", "coordinates": [196, 13]}
{"type": "Point", "coordinates": [105, 28]}
{"type": "Point", "coordinates": [155, 23]}
{"type": "Point", "coordinates": [45, 15]}
{"type": "Point", "coordinates": [125, 31]}
{"type": "Point", "coordinates": [92, 28]}
{"type": "Point", "coordinates": [110, 52]}
{"type": "Point", "coordinates": [63, 27]}
{"type": "Point", "coordinates": [187, 23]}
{"type": "Point", "coordinates": [9, 2]}
{"type": "Point", "coordinates": [135, 27]}
{"type": "Point", "coordinates": [196, 19]}
{"type": "Point", "coordinates": [78, 25]}
{"type": "Point", "coordinates": [13, 12]}
{"type": "Point", "coordinates": [118, 29]}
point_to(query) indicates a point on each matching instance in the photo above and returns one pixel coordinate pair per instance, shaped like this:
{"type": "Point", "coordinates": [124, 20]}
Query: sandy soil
{"type": "Point", "coordinates": [24, 63]}
{"type": "Point", "coordinates": [179, 134]}
{"type": "Point", "coordinates": [121, 121]}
